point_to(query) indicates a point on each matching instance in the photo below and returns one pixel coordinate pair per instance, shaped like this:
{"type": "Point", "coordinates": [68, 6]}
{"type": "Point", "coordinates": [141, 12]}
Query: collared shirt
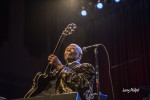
{"type": "Point", "coordinates": [72, 64]}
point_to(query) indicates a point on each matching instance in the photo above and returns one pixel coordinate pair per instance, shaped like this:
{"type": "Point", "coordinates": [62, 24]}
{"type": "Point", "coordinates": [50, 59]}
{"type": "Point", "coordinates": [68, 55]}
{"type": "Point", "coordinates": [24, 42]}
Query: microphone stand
{"type": "Point", "coordinates": [97, 72]}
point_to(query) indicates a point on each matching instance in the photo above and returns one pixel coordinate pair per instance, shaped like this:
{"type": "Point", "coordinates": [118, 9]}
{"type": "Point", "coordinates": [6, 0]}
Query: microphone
{"type": "Point", "coordinates": [91, 46]}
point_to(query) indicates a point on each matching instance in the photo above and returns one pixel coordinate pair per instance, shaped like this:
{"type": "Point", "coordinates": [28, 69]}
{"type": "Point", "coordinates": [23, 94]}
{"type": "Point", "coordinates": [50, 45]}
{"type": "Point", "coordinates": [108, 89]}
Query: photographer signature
{"type": "Point", "coordinates": [135, 90]}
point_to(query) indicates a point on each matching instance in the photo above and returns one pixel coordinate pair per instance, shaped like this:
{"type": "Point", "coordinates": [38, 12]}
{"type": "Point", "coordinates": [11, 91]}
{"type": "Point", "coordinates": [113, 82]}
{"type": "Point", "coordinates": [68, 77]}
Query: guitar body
{"type": "Point", "coordinates": [40, 81]}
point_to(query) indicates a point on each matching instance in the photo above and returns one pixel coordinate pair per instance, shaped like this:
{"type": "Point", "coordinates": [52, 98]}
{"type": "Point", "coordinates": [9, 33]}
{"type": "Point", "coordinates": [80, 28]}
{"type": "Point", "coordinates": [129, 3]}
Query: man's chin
{"type": "Point", "coordinates": [70, 59]}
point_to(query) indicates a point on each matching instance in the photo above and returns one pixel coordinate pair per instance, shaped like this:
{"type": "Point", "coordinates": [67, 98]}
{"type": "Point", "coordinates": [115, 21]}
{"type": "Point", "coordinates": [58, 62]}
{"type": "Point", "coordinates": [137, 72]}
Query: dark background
{"type": "Point", "coordinates": [30, 29]}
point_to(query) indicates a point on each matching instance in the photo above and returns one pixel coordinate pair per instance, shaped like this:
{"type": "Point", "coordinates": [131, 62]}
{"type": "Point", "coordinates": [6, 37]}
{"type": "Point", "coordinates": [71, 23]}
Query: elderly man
{"type": "Point", "coordinates": [74, 76]}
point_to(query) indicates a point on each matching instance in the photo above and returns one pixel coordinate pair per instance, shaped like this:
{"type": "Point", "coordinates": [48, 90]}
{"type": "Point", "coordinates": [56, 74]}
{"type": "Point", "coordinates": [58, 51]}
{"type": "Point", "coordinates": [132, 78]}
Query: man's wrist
{"type": "Point", "coordinates": [59, 67]}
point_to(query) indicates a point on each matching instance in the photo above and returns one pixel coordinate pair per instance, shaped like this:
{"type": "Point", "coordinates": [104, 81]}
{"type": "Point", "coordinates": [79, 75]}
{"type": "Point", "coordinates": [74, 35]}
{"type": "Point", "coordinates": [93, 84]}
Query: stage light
{"type": "Point", "coordinates": [117, 0]}
{"type": "Point", "coordinates": [83, 12]}
{"type": "Point", "coordinates": [99, 5]}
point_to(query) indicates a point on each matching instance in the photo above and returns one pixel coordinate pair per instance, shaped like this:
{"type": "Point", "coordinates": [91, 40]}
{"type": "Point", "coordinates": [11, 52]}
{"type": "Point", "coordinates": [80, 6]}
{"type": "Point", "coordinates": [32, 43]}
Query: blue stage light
{"type": "Point", "coordinates": [117, 0]}
{"type": "Point", "coordinates": [99, 5]}
{"type": "Point", "coordinates": [83, 12]}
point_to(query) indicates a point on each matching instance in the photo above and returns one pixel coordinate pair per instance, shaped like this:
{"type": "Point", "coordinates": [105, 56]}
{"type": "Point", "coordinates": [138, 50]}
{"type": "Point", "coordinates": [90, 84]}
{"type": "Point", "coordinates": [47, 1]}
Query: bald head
{"type": "Point", "coordinates": [78, 48]}
{"type": "Point", "coordinates": [73, 52]}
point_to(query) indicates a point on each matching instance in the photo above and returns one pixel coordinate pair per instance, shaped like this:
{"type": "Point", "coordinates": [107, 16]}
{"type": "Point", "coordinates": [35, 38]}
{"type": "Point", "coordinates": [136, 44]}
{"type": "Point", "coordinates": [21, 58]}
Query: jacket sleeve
{"type": "Point", "coordinates": [54, 73]}
{"type": "Point", "coordinates": [79, 77]}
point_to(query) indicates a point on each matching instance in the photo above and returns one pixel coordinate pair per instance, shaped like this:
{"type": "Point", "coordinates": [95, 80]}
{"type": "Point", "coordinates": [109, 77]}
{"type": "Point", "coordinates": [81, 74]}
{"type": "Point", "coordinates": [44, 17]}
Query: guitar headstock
{"type": "Point", "coordinates": [69, 29]}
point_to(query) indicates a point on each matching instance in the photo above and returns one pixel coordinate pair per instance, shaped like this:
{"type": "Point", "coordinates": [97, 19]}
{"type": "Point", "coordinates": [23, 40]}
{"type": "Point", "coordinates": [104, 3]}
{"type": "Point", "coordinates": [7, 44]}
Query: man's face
{"type": "Point", "coordinates": [71, 53]}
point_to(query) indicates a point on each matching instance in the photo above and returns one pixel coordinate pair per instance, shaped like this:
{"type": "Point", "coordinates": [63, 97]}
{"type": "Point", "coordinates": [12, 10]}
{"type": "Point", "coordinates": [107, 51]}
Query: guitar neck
{"type": "Point", "coordinates": [68, 30]}
{"type": "Point", "coordinates": [55, 52]}
{"type": "Point", "coordinates": [59, 43]}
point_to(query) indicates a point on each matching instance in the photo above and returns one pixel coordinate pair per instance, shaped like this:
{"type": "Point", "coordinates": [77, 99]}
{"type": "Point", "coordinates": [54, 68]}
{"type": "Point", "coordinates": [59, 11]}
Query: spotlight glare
{"type": "Point", "coordinates": [117, 0]}
{"type": "Point", "coordinates": [83, 12]}
{"type": "Point", "coordinates": [99, 5]}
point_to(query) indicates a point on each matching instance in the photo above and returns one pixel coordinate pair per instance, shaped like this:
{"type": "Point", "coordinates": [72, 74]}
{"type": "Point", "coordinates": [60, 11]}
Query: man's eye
{"type": "Point", "coordinates": [72, 50]}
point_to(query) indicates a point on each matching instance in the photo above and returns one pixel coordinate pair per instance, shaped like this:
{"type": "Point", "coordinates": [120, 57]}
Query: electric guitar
{"type": "Point", "coordinates": [41, 80]}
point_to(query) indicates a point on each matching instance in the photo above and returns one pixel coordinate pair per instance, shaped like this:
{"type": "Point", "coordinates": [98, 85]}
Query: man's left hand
{"type": "Point", "coordinates": [55, 61]}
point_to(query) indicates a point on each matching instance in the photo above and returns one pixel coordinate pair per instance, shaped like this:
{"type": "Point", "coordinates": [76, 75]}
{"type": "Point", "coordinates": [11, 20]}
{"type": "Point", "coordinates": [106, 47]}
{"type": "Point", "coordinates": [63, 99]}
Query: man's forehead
{"type": "Point", "coordinates": [72, 46]}
{"type": "Point", "coordinates": [75, 46]}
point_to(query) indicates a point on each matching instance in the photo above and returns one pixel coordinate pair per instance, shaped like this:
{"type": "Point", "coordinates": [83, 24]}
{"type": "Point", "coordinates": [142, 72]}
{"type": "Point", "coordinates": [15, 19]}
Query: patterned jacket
{"type": "Point", "coordinates": [75, 77]}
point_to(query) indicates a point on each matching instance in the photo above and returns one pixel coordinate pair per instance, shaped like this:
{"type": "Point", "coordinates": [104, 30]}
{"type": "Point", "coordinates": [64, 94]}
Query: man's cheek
{"type": "Point", "coordinates": [68, 56]}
